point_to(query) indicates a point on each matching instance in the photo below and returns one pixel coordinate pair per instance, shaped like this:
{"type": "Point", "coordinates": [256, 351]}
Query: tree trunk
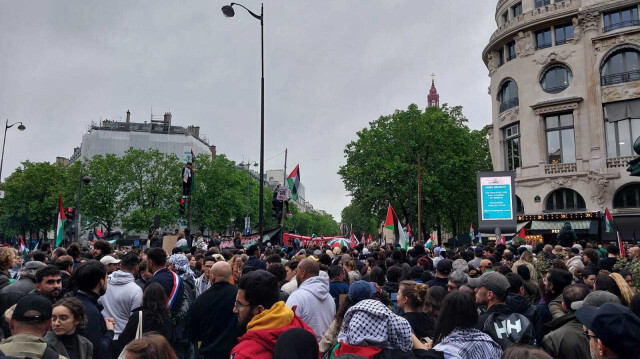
{"type": "Point", "coordinates": [439, 231]}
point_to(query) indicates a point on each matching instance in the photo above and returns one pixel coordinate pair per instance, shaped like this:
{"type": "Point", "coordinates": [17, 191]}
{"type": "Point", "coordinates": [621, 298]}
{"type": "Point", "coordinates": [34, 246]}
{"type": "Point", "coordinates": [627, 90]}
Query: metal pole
{"type": "Point", "coordinates": [419, 203]}
{"type": "Point", "coordinates": [6, 127]}
{"type": "Point", "coordinates": [261, 206]}
{"type": "Point", "coordinates": [78, 209]}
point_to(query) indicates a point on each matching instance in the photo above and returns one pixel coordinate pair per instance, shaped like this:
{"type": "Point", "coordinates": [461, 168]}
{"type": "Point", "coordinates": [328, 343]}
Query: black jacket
{"type": "Point", "coordinates": [256, 263]}
{"type": "Point", "coordinates": [212, 321]}
{"type": "Point", "coordinates": [520, 304]}
{"type": "Point", "coordinates": [96, 329]}
{"type": "Point", "coordinates": [148, 325]}
{"type": "Point", "coordinates": [10, 294]}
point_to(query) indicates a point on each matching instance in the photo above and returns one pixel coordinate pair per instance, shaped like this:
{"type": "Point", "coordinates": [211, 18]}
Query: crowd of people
{"type": "Point", "coordinates": [273, 301]}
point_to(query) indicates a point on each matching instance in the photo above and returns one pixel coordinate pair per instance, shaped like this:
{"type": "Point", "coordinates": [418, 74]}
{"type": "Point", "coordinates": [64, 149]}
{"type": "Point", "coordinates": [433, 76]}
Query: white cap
{"type": "Point", "coordinates": [109, 260]}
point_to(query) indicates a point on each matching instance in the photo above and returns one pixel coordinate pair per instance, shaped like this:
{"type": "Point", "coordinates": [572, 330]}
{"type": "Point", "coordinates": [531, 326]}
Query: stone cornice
{"type": "Point", "coordinates": [558, 105]}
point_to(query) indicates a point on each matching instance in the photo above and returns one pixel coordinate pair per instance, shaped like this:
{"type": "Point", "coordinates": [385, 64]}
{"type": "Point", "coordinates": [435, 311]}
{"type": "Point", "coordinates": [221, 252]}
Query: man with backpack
{"type": "Point", "coordinates": [505, 327]}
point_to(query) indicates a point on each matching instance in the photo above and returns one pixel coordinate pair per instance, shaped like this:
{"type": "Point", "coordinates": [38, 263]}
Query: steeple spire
{"type": "Point", "coordinates": [433, 99]}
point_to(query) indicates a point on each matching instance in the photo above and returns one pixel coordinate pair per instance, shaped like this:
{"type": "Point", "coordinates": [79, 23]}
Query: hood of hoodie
{"type": "Point", "coordinates": [120, 278]}
{"type": "Point", "coordinates": [517, 303]}
{"type": "Point", "coordinates": [318, 286]}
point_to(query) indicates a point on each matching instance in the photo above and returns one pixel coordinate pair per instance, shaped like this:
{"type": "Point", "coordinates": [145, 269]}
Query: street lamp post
{"type": "Point", "coordinates": [21, 127]}
{"type": "Point", "coordinates": [86, 180]}
{"type": "Point", "coordinates": [248, 164]}
{"type": "Point", "coordinates": [228, 11]}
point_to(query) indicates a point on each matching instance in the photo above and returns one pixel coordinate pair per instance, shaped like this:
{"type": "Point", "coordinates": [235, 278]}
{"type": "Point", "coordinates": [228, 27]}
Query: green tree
{"type": "Point", "coordinates": [103, 201]}
{"type": "Point", "coordinates": [383, 163]}
{"type": "Point", "coordinates": [152, 187]}
{"type": "Point", "coordinates": [361, 219]}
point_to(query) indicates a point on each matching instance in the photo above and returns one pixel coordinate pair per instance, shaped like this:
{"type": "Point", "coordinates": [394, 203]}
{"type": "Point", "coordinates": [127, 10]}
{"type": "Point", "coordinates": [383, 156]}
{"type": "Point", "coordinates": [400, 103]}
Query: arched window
{"type": "Point", "coordinates": [519, 206]}
{"type": "Point", "coordinates": [621, 66]}
{"type": "Point", "coordinates": [627, 197]}
{"type": "Point", "coordinates": [556, 78]}
{"type": "Point", "coordinates": [565, 199]}
{"type": "Point", "coordinates": [508, 95]}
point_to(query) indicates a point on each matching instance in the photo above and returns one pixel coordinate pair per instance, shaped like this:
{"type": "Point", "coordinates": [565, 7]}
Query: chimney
{"type": "Point", "coordinates": [167, 118]}
{"type": "Point", "coordinates": [213, 150]}
{"type": "Point", "coordinates": [128, 116]}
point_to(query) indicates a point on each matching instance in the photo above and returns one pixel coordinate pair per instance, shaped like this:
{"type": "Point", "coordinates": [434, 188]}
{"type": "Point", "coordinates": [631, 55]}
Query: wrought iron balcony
{"type": "Point", "coordinates": [509, 104]}
{"type": "Point", "coordinates": [620, 78]}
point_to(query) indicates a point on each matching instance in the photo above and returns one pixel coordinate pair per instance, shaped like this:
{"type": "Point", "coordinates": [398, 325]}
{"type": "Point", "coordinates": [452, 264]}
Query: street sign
{"type": "Point", "coordinates": [282, 193]}
{"type": "Point", "coordinates": [136, 243]}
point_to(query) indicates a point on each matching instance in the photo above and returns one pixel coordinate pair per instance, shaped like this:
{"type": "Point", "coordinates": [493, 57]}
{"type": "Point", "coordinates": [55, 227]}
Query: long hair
{"type": "Point", "coordinates": [416, 293]}
{"type": "Point", "coordinates": [458, 311]}
{"type": "Point", "coordinates": [625, 291]}
{"type": "Point", "coordinates": [151, 346]}
{"type": "Point", "coordinates": [154, 301]}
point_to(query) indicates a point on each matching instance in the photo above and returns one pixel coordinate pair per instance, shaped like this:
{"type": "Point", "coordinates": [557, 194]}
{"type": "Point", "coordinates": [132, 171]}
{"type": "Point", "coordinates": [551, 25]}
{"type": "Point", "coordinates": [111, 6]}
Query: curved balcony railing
{"type": "Point", "coordinates": [621, 25]}
{"type": "Point", "coordinates": [620, 78]}
{"type": "Point", "coordinates": [509, 104]}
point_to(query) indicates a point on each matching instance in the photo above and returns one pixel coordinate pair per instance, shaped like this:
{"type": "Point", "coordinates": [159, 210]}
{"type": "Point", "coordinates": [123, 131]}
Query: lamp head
{"type": "Point", "coordinates": [242, 164]}
{"type": "Point", "coordinates": [21, 127]}
{"type": "Point", "coordinates": [228, 11]}
{"type": "Point", "coordinates": [86, 179]}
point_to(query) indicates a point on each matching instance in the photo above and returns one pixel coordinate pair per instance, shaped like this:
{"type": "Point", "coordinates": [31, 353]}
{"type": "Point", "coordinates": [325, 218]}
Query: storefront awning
{"type": "Point", "coordinates": [557, 225]}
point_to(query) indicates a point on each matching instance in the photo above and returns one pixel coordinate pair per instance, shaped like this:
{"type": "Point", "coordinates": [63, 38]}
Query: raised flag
{"type": "Point", "coordinates": [294, 182]}
{"type": "Point", "coordinates": [370, 239]}
{"type": "Point", "coordinates": [471, 231]}
{"type": "Point", "coordinates": [429, 243]}
{"type": "Point", "coordinates": [23, 248]}
{"type": "Point", "coordinates": [608, 221]}
{"type": "Point", "coordinates": [521, 237]}
{"type": "Point", "coordinates": [98, 233]}
{"type": "Point", "coordinates": [393, 224]}
{"type": "Point", "coordinates": [60, 229]}
{"type": "Point", "coordinates": [623, 253]}
{"type": "Point", "coordinates": [193, 157]}
{"type": "Point", "coordinates": [364, 239]}
{"type": "Point", "coordinates": [409, 230]}
{"type": "Point", "coordinates": [353, 240]}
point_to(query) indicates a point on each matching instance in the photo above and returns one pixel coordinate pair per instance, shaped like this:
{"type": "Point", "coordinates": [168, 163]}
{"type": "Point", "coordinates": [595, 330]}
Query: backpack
{"type": "Point", "coordinates": [509, 329]}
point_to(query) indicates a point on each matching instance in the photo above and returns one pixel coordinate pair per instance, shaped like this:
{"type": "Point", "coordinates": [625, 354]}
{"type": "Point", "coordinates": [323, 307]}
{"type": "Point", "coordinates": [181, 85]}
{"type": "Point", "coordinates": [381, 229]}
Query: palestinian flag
{"type": "Point", "coordinates": [353, 240]}
{"type": "Point", "coordinates": [471, 231]}
{"type": "Point", "coordinates": [23, 248]}
{"type": "Point", "coordinates": [623, 253]}
{"type": "Point", "coordinates": [409, 230]}
{"type": "Point", "coordinates": [393, 224]}
{"type": "Point", "coordinates": [294, 182]}
{"type": "Point", "coordinates": [193, 157]}
{"type": "Point", "coordinates": [608, 221]}
{"type": "Point", "coordinates": [363, 240]}
{"type": "Point", "coordinates": [429, 243]}
{"type": "Point", "coordinates": [370, 239]}
{"type": "Point", "coordinates": [521, 237]}
{"type": "Point", "coordinates": [60, 229]}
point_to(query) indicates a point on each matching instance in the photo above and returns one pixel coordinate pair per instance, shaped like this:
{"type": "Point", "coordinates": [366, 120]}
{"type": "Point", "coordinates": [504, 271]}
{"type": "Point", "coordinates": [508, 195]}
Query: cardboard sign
{"type": "Point", "coordinates": [168, 243]}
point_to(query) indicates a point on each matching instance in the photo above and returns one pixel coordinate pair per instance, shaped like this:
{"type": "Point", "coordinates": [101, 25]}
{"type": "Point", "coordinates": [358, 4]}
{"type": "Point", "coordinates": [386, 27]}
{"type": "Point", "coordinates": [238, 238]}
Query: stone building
{"type": "Point", "coordinates": [565, 92]}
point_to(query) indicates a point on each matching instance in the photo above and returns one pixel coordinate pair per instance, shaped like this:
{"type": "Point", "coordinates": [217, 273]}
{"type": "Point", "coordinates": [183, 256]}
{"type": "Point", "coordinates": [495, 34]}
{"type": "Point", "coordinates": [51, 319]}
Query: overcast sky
{"type": "Point", "coordinates": [331, 67]}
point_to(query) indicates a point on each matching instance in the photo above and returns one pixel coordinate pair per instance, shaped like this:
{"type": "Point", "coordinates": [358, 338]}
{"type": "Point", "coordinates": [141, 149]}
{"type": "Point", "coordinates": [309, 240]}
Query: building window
{"type": "Point", "coordinates": [563, 33]}
{"type": "Point", "coordinates": [627, 197]}
{"type": "Point", "coordinates": [621, 66]}
{"type": "Point", "coordinates": [565, 199]}
{"type": "Point", "coordinates": [561, 147]}
{"type": "Point", "coordinates": [511, 50]}
{"type": "Point", "coordinates": [511, 135]}
{"type": "Point", "coordinates": [543, 38]}
{"type": "Point", "coordinates": [500, 57]}
{"type": "Point", "coordinates": [621, 18]}
{"type": "Point", "coordinates": [519, 206]}
{"type": "Point", "coordinates": [505, 17]}
{"type": "Point", "coordinates": [620, 137]}
{"type": "Point", "coordinates": [516, 9]}
{"type": "Point", "coordinates": [508, 95]}
{"type": "Point", "coordinates": [541, 3]}
{"type": "Point", "coordinates": [556, 78]}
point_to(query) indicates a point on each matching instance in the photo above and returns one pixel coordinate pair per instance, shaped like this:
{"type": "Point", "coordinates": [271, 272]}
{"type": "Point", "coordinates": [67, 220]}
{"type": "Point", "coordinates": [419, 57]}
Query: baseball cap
{"type": "Point", "coordinates": [109, 260]}
{"type": "Point", "coordinates": [365, 251]}
{"type": "Point", "coordinates": [444, 267]}
{"type": "Point", "coordinates": [596, 299]}
{"type": "Point", "coordinates": [493, 281]}
{"type": "Point", "coordinates": [32, 308]}
{"type": "Point", "coordinates": [615, 325]}
{"type": "Point", "coordinates": [361, 290]}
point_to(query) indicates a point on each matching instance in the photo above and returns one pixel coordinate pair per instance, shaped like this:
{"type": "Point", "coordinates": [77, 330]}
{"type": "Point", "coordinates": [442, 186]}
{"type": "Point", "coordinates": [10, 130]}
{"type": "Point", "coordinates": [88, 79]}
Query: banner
{"type": "Point", "coordinates": [287, 239]}
{"type": "Point", "coordinates": [247, 241]}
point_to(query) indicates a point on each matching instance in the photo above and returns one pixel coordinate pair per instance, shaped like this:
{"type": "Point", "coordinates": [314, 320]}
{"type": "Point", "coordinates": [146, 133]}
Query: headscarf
{"type": "Point", "coordinates": [371, 323]}
{"type": "Point", "coordinates": [181, 263]}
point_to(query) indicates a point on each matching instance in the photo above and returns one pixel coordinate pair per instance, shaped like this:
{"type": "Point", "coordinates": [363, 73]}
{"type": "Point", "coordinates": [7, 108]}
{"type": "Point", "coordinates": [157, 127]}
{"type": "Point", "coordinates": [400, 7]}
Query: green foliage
{"type": "Point", "coordinates": [382, 166]}
{"type": "Point", "coordinates": [103, 200]}
{"type": "Point", "coordinates": [360, 219]}
{"type": "Point", "coordinates": [633, 266]}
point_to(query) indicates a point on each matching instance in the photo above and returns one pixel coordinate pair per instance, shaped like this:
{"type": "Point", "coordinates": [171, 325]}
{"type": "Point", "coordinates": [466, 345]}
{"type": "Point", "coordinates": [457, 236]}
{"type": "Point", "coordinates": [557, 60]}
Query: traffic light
{"type": "Point", "coordinates": [182, 206]}
{"type": "Point", "coordinates": [276, 206]}
{"type": "Point", "coordinates": [71, 214]}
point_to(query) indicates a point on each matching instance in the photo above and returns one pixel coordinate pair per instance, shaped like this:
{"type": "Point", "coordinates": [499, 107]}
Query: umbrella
{"type": "Point", "coordinates": [340, 242]}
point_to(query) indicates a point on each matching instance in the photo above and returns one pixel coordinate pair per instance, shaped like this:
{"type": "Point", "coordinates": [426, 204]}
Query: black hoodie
{"type": "Point", "coordinates": [522, 305]}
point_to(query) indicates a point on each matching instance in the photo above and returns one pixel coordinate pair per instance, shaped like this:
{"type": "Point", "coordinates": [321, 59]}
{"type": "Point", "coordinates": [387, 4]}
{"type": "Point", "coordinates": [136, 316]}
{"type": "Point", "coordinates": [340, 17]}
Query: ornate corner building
{"type": "Point", "coordinates": [565, 92]}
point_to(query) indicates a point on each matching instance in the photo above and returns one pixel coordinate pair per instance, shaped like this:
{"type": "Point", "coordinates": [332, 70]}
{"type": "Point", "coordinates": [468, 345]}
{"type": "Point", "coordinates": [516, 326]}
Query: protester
{"type": "Point", "coordinates": [10, 294]}
{"type": "Point", "coordinates": [203, 282]}
{"type": "Point", "coordinates": [67, 318]}
{"type": "Point", "coordinates": [254, 260]}
{"type": "Point", "coordinates": [211, 319]}
{"type": "Point", "coordinates": [612, 329]}
{"type": "Point", "coordinates": [48, 283]}
{"type": "Point", "coordinates": [124, 295]}
{"type": "Point", "coordinates": [65, 265]}
{"type": "Point", "coordinates": [111, 263]}
{"type": "Point", "coordinates": [555, 281]}
{"type": "Point", "coordinates": [262, 318]}
{"type": "Point", "coordinates": [443, 270]}
{"type": "Point", "coordinates": [236, 263]}
{"type": "Point", "coordinates": [143, 274]}
{"type": "Point", "coordinates": [7, 258]}
{"type": "Point", "coordinates": [296, 343]}
{"type": "Point", "coordinates": [29, 323]}
{"type": "Point", "coordinates": [411, 298]}
{"type": "Point", "coordinates": [312, 300]}
{"type": "Point", "coordinates": [337, 286]}
{"type": "Point", "coordinates": [455, 334]}
{"type": "Point", "coordinates": [566, 338]}
{"type": "Point", "coordinates": [150, 346]}
{"type": "Point", "coordinates": [611, 259]}
{"type": "Point", "coordinates": [91, 280]}
{"type": "Point", "coordinates": [155, 317]}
